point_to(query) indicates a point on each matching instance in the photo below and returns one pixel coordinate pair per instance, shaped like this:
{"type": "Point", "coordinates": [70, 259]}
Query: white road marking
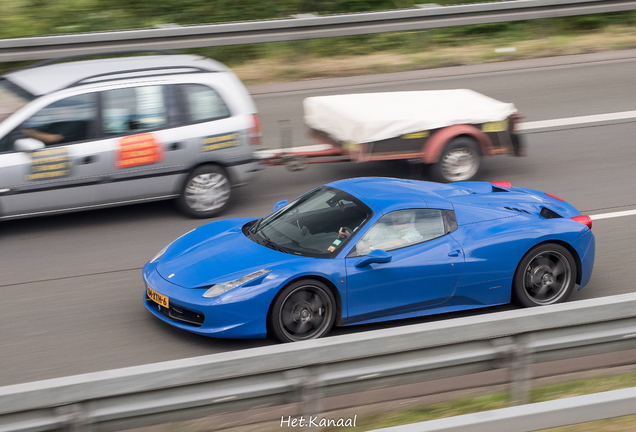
{"type": "Point", "coordinates": [613, 215]}
{"type": "Point", "coordinates": [569, 121]}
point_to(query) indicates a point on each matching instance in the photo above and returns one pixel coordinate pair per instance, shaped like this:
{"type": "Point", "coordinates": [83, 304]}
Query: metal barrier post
{"type": "Point", "coordinates": [520, 370]}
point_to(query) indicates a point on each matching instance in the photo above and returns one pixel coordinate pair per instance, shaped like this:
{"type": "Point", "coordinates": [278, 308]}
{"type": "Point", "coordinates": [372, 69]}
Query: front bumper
{"type": "Point", "coordinates": [240, 314]}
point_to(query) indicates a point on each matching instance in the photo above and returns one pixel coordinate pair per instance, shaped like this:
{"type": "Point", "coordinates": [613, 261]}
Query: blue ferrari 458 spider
{"type": "Point", "coordinates": [367, 250]}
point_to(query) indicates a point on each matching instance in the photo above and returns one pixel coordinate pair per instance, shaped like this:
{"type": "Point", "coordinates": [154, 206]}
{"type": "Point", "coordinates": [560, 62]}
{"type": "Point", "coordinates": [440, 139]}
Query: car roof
{"type": "Point", "coordinates": [391, 194]}
{"type": "Point", "coordinates": [47, 78]}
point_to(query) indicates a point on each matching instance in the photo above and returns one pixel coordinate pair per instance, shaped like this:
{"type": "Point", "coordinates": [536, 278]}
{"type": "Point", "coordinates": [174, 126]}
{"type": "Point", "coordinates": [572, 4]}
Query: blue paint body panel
{"type": "Point", "coordinates": [471, 266]}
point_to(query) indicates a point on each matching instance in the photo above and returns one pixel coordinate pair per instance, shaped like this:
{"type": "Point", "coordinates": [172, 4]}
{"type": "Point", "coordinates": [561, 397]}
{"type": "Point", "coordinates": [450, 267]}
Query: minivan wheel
{"type": "Point", "coordinates": [206, 192]}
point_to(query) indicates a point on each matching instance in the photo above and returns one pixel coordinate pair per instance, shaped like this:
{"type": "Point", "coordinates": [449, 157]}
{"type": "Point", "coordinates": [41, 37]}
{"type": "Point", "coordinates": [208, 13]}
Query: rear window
{"type": "Point", "coordinates": [203, 103]}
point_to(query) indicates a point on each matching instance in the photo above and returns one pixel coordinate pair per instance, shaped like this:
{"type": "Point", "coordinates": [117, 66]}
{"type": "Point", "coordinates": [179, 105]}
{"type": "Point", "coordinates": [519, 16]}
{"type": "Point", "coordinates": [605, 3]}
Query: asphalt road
{"type": "Point", "coordinates": [71, 285]}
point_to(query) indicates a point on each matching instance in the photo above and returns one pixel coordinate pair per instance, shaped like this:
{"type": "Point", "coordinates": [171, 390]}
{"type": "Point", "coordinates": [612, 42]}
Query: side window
{"type": "Point", "coordinates": [402, 228]}
{"type": "Point", "coordinates": [203, 103]}
{"type": "Point", "coordinates": [6, 142]}
{"type": "Point", "coordinates": [63, 122]}
{"type": "Point", "coordinates": [129, 111]}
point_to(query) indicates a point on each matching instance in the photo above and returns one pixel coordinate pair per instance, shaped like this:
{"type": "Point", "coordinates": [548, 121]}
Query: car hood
{"type": "Point", "coordinates": [214, 253]}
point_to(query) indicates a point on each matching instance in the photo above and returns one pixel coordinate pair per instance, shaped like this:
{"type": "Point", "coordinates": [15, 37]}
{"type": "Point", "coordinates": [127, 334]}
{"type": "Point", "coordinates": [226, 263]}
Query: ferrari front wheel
{"type": "Point", "coordinates": [546, 275]}
{"type": "Point", "coordinates": [303, 310]}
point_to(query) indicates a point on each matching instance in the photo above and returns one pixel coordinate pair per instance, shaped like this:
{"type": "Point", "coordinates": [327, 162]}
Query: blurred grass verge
{"type": "Point", "coordinates": [332, 57]}
{"type": "Point", "coordinates": [501, 400]}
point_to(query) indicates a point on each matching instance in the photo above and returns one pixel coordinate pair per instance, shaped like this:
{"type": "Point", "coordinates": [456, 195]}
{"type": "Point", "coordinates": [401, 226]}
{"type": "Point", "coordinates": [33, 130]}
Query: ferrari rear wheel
{"type": "Point", "coordinates": [546, 275]}
{"type": "Point", "coordinates": [304, 310]}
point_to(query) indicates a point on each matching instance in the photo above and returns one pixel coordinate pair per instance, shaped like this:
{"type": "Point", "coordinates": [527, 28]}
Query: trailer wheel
{"type": "Point", "coordinates": [460, 161]}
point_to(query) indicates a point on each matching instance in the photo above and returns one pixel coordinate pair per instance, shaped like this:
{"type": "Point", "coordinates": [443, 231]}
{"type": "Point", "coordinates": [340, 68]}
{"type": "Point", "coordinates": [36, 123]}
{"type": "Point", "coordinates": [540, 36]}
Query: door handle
{"type": "Point", "coordinates": [174, 146]}
{"type": "Point", "coordinates": [454, 253]}
{"type": "Point", "coordinates": [89, 160]}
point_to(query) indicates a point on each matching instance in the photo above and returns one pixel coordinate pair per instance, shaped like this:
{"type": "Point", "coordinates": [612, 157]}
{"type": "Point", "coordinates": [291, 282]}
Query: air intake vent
{"type": "Point", "coordinates": [549, 214]}
{"type": "Point", "coordinates": [517, 210]}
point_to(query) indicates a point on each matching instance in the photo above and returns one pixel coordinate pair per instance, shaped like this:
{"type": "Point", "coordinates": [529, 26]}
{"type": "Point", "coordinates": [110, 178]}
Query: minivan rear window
{"type": "Point", "coordinates": [203, 103]}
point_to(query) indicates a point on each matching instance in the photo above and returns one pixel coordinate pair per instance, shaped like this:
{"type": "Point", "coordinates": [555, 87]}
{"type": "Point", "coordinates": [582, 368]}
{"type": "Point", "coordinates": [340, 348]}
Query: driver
{"type": "Point", "coordinates": [344, 233]}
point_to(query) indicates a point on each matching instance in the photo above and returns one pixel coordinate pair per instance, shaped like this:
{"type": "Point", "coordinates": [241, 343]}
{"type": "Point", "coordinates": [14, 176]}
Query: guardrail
{"type": "Point", "coordinates": [534, 417]}
{"type": "Point", "coordinates": [312, 370]}
{"type": "Point", "coordinates": [301, 27]}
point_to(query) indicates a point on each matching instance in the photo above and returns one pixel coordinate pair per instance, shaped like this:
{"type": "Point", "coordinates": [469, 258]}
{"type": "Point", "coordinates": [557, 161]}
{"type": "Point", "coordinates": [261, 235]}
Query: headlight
{"type": "Point", "coordinates": [160, 254]}
{"type": "Point", "coordinates": [220, 288]}
{"type": "Point", "coordinates": [163, 251]}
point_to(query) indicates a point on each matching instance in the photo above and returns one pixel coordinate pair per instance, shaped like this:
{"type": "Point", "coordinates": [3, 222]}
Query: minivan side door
{"type": "Point", "coordinates": [138, 124]}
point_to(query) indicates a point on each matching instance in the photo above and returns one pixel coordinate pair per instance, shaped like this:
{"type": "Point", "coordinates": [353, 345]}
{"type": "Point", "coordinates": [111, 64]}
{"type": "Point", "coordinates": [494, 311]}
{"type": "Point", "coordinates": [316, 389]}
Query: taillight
{"type": "Point", "coordinates": [555, 197]}
{"type": "Point", "coordinates": [502, 184]}
{"type": "Point", "coordinates": [515, 119]}
{"type": "Point", "coordinates": [585, 220]}
{"type": "Point", "coordinates": [255, 133]}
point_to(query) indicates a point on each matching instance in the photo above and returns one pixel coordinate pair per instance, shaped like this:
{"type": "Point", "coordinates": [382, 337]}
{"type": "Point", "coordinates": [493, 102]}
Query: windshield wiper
{"type": "Point", "coordinates": [270, 244]}
{"type": "Point", "coordinates": [256, 225]}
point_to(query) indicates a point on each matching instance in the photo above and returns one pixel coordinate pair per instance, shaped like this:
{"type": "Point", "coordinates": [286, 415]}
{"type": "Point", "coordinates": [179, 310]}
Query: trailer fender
{"type": "Point", "coordinates": [434, 146]}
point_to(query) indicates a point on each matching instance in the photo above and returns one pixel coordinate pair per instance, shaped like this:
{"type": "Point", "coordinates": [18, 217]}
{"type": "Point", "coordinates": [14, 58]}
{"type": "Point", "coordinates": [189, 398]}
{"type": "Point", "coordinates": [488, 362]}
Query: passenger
{"type": "Point", "coordinates": [392, 231]}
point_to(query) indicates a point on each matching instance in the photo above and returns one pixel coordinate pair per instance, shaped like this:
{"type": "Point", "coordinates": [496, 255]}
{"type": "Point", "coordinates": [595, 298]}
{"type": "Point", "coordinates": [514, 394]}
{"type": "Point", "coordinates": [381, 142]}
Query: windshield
{"type": "Point", "coordinates": [318, 224]}
{"type": "Point", "coordinates": [11, 99]}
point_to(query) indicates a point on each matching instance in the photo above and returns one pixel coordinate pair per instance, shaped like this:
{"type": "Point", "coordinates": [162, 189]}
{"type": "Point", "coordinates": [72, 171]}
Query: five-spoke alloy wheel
{"type": "Point", "coordinates": [546, 275]}
{"type": "Point", "coordinates": [206, 192]}
{"type": "Point", "coordinates": [303, 310]}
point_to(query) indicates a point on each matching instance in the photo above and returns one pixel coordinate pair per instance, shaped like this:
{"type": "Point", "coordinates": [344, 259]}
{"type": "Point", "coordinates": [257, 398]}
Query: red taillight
{"type": "Point", "coordinates": [502, 184]}
{"type": "Point", "coordinates": [515, 119]}
{"type": "Point", "coordinates": [555, 197]}
{"type": "Point", "coordinates": [255, 133]}
{"type": "Point", "coordinates": [585, 220]}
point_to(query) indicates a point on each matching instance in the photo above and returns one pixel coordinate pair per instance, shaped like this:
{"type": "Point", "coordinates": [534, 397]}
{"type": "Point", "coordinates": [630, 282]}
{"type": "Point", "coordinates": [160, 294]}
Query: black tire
{"type": "Point", "coordinates": [206, 192]}
{"type": "Point", "coordinates": [546, 275]}
{"type": "Point", "coordinates": [460, 161]}
{"type": "Point", "coordinates": [305, 309]}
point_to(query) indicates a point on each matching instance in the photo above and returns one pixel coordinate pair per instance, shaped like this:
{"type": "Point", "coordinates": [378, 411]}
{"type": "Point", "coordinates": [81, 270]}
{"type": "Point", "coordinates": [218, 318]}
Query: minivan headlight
{"type": "Point", "coordinates": [223, 287]}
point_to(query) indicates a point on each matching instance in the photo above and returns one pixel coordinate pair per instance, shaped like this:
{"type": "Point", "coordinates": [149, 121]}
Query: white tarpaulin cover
{"type": "Point", "coordinates": [369, 117]}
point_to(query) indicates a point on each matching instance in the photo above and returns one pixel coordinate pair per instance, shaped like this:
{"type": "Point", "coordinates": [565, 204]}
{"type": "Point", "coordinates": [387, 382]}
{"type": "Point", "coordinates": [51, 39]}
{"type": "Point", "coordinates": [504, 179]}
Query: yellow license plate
{"type": "Point", "coordinates": [161, 300]}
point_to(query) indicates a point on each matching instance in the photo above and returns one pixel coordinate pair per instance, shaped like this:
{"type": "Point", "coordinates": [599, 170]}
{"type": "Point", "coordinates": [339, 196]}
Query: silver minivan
{"type": "Point", "coordinates": [84, 134]}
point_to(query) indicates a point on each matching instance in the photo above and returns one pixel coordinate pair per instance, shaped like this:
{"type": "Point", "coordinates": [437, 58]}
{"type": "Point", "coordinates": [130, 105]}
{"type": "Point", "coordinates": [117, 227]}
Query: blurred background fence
{"type": "Point", "coordinates": [301, 27]}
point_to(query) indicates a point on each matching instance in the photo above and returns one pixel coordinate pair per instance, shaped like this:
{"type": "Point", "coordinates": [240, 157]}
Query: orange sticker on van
{"type": "Point", "coordinates": [138, 150]}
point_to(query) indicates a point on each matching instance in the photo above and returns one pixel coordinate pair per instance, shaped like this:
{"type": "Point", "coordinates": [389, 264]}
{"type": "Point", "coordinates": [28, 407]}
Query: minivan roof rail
{"type": "Point", "coordinates": [111, 76]}
{"type": "Point", "coordinates": [109, 53]}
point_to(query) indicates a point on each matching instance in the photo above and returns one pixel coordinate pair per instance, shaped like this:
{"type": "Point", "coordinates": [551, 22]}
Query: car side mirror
{"type": "Point", "coordinates": [280, 204]}
{"type": "Point", "coordinates": [27, 145]}
{"type": "Point", "coordinates": [375, 256]}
